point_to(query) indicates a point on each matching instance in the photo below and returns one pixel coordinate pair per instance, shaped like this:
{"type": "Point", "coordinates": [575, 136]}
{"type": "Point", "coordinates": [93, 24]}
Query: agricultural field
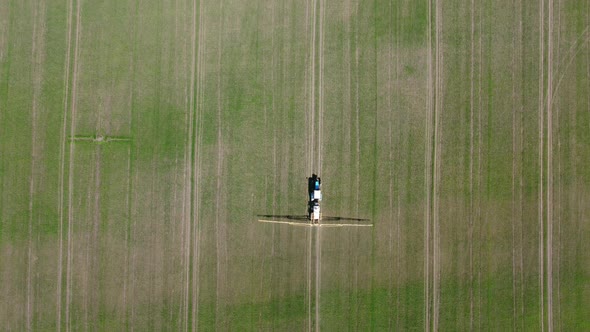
{"type": "Point", "coordinates": [141, 141]}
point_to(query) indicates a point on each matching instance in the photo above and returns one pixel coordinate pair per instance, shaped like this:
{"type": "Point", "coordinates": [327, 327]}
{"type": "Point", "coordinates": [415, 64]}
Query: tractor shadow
{"type": "Point", "coordinates": [306, 218]}
{"type": "Point", "coordinates": [285, 216]}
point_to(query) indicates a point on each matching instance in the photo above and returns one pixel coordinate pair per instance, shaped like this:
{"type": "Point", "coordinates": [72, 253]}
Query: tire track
{"type": "Point", "coordinates": [308, 92]}
{"type": "Point", "coordinates": [541, 123]}
{"type": "Point", "coordinates": [73, 105]}
{"type": "Point", "coordinates": [309, 161]}
{"type": "Point", "coordinates": [573, 51]}
{"type": "Point", "coordinates": [321, 85]}
{"type": "Point", "coordinates": [588, 57]}
{"type": "Point", "coordinates": [62, 153]}
{"type": "Point", "coordinates": [437, 164]}
{"type": "Point", "coordinates": [398, 70]}
{"type": "Point", "coordinates": [127, 231]}
{"type": "Point", "coordinates": [189, 189]}
{"type": "Point", "coordinates": [549, 244]}
{"type": "Point", "coordinates": [219, 167]}
{"type": "Point", "coordinates": [93, 252]}
{"type": "Point", "coordinates": [515, 144]}
{"type": "Point", "coordinates": [312, 86]}
{"type": "Point", "coordinates": [197, 166]}
{"type": "Point", "coordinates": [36, 78]}
{"type": "Point", "coordinates": [428, 172]}
{"type": "Point", "coordinates": [129, 167]}
{"type": "Point", "coordinates": [318, 254]}
{"type": "Point", "coordinates": [129, 272]}
{"type": "Point", "coordinates": [348, 109]}
{"type": "Point", "coordinates": [357, 115]}
{"type": "Point", "coordinates": [391, 168]}
{"type": "Point", "coordinates": [479, 165]}
{"type": "Point", "coordinates": [318, 276]}
{"type": "Point", "coordinates": [520, 210]}
{"type": "Point", "coordinates": [471, 158]}
{"type": "Point", "coordinates": [559, 169]}
{"type": "Point", "coordinates": [313, 323]}
{"type": "Point", "coordinates": [309, 249]}
{"type": "Point", "coordinates": [437, 146]}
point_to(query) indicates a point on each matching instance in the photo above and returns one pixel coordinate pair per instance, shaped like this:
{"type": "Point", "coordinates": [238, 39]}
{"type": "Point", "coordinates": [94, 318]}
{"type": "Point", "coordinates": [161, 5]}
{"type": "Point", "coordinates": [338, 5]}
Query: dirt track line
{"type": "Point", "coordinates": [521, 186]}
{"type": "Point", "coordinates": [94, 254]}
{"type": "Point", "coordinates": [197, 167]}
{"type": "Point", "coordinates": [398, 70]}
{"type": "Point", "coordinates": [312, 86]}
{"type": "Point", "coordinates": [185, 201]}
{"type": "Point", "coordinates": [479, 164]}
{"type": "Point", "coordinates": [559, 186]}
{"type": "Point", "coordinates": [274, 131]}
{"type": "Point", "coordinates": [573, 51]}
{"type": "Point", "coordinates": [437, 165]}
{"type": "Point", "coordinates": [307, 76]}
{"type": "Point", "coordinates": [319, 161]}
{"type": "Point", "coordinates": [309, 242]}
{"type": "Point", "coordinates": [73, 105]}
{"type": "Point", "coordinates": [549, 244]}
{"type": "Point", "coordinates": [189, 169]}
{"type": "Point", "coordinates": [540, 161]}
{"type": "Point", "coordinates": [312, 161]}
{"type": "Point", "coordinates": [62, 152]}
{"type": "Point", "coordinates": [126, 258]}
{"type": "Point", "coordinates": [357, 123]}
{"type": "Point", "coordinates": [515, 46]}
{"type": "Point", "coordinates": [471, 148]}
{"type": "Point", "coordinates": [219, 168]}
{"type": "Point", "coordinates": [318, 277]}
{"type": "Point", "coordinates": [437, 161]}
{"type": "Point", "coordinates": [321, 85]}
{"type": "Point", "coordinates": [391, 168]}
{"type": "Point", "coordinates": [129, 173]}
{"type": "Point", "coordinates": [34, 109]}
{"type": "Point", "coordinates": [428, 175]}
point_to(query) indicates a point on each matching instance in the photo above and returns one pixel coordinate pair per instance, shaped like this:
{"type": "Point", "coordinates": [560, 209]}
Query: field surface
{"type": "Point", "coordinates": [141, 141]}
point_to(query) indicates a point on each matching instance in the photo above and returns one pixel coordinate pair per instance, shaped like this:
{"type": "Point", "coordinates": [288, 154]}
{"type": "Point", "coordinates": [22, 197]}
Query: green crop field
{"type": "Point", "coordinates": [141, 142]}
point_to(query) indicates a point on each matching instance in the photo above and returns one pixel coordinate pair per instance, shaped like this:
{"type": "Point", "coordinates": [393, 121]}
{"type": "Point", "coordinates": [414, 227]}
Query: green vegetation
{"type": "Point", "coordinates": [462, 138]}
